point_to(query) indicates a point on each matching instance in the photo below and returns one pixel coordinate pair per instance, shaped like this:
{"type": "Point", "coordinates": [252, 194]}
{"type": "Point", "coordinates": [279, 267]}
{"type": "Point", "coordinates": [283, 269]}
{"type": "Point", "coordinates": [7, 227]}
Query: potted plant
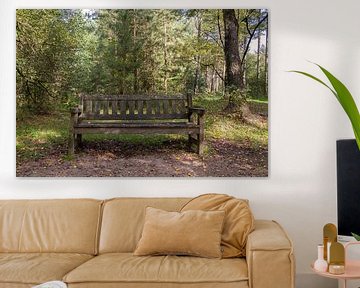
{"type": "Point", "coordinates": [348, 157]}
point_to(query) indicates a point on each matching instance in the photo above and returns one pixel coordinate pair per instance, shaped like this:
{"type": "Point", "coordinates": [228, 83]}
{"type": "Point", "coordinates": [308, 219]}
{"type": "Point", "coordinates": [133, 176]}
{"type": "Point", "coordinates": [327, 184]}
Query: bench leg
{"type": "Point", "coordinates": [71, 144]}
{"type": "Point", "coordinates": [201, 137]}
{"type": "Point", "coordinates": [78, 140]}
{"type": "Point", "coordinates": [200, 145]}
{"type": "Point", "coordinates": [190, 140]}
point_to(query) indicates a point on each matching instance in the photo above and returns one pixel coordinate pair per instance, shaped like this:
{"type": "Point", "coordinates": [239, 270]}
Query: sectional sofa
{"type": "Point", "coordinates": [90, 243]}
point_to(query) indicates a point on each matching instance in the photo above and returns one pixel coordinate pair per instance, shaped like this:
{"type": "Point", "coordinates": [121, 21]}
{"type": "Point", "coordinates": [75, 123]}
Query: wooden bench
{"type": "Point", "coordinates": [133, 114]}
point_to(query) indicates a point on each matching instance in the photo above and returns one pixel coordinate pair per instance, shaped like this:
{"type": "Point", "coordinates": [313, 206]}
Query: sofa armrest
{"type": "Point", "coordinates": [269, 256]}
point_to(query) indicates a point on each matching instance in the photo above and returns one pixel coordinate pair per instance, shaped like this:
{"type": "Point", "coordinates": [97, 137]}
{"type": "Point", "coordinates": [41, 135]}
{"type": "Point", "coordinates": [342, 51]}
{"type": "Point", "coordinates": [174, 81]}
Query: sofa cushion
{"type": "Point", "coordinates": [193, 232]}
{"type": "Point", "coordinates": [63, 226]}
{"type": "Point", "coordinates": [126, 268]}
{"type": "Point", "coordinates": [239, 220]}
{"type": "Point", "coordinates": [36, 268]}
{"type": "Point", "coordinates": [123, 220]}
{"type": "Point", "coordinates": [237, 284]}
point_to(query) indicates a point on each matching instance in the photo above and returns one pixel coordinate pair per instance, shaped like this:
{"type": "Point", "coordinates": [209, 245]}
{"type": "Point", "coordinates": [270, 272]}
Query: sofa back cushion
{"type": "Point", "coordinates": [123, 220]}
{"type": "Point", "coordinates": [66, 226]}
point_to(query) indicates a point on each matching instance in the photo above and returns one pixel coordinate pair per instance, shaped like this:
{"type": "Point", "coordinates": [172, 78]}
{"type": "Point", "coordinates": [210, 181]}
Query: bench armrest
{"type": "Point", "coordinates": [74, 115]}
{"type": "Point", "coordinates": [269, 255]}
{"type": "Point", "coordinates": [197, 110]}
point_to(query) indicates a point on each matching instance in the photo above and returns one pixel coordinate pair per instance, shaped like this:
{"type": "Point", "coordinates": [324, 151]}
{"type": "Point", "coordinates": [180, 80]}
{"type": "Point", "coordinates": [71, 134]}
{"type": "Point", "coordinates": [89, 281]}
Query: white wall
{"type": "Point", "coordinates": [305, 121]}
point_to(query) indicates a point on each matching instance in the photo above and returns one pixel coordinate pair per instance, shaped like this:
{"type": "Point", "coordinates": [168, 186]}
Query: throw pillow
{"type": "Point", "coordinates": [239, 220]}
{"type": "Point", "coordinates": [196, 233]}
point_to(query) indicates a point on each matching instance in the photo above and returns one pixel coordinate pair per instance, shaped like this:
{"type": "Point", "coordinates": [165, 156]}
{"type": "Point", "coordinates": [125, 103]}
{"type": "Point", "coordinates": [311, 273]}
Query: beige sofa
{"type": "Point", "coordinates": [89, 243]}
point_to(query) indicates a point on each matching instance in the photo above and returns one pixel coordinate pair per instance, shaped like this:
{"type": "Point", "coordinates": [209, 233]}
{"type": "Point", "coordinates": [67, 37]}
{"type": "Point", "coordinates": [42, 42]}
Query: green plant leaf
{"type": "Point", "coordinates": [344, 97]}
{"type": "Point", "coordinates": [356, 236]}
{"type": "Point", "coordinates": [347, 102]}
{"type": "Point", "coordinates": [316, 79]}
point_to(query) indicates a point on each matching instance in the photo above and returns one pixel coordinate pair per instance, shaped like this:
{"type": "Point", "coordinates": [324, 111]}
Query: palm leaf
{"type": "Point", "coordinates": [357, 237]}
{"type": "Point", "coordinates": [316, 79]}
{"type": "Point", "coordinates": [344, 97]}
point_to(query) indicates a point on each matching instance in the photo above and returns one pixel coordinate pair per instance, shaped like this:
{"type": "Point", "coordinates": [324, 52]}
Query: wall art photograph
{"type": "Point", "coordinates": [142, 93]}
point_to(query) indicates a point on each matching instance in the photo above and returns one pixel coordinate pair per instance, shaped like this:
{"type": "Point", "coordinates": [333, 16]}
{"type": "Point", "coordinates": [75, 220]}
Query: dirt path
{"type": "Point", "coordinates": [118, 159]}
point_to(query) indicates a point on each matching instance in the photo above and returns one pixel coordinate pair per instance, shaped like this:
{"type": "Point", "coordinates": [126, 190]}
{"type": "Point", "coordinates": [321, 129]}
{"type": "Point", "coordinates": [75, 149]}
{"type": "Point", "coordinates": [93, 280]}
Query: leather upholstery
{"type": "Point", "coordinates": [36, 268]}
{"type": "Point", "coordinates": [123, 220]}
{"type": "Point", "coordinates": [126, 268]}
{"type": "Point", "coordinates": [15, 285]}
{"type": "Point", "coordinates": [269, 256]}
{"type": "Point", "coordinates": [193, 233]}
{"type": "Point", "coordinates": [242, 284]}
{"type": "Point", "coordinates": [72, 226]}
{"type": "Point", "coordinates": [64, 226]}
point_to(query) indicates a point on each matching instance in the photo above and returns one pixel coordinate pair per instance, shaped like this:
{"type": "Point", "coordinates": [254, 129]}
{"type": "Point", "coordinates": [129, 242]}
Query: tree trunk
{"type": "Point", "coordinates": [233, 72]}
{"type": "Point", "coordinates": [136, 70]}
{"type": "Point", "coordinates": [197, 70]}
{"type": "Point", "coordinates": [165, 57]}
{"type": "Point", "coordinates": [266, 58]}
{"type": "Point", "coordinates": [258, 53]}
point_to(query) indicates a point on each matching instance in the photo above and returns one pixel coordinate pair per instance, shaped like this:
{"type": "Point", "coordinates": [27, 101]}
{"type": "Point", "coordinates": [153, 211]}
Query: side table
{"type": "Point", "coordinates": [352, 268]}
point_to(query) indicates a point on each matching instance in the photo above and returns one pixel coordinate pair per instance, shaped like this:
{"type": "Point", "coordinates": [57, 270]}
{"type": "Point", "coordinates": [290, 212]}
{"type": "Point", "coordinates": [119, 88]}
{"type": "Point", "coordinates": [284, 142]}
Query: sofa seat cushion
{"type": "Point", "coordinates": [127, 268]}
{"type": "Point", "coordinates": [242, 284]}
{"type": "Point", "coordinates": [36, 268]}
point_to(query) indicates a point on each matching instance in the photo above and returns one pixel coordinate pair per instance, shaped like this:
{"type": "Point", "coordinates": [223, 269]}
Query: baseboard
{"type": "Point", "coordinates": [310, 280]}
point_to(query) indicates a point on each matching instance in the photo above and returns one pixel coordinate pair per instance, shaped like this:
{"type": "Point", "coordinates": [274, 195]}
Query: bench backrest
{"type": "Point", "coordinates": [134, 107]}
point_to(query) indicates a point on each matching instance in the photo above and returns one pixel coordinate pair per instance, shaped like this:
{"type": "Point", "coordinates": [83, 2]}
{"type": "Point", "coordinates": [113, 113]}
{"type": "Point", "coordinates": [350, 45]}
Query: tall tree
{"type": "Point", "coordinates": [233, 73]}
{"type": "Point", "coordinates": [63, 52]}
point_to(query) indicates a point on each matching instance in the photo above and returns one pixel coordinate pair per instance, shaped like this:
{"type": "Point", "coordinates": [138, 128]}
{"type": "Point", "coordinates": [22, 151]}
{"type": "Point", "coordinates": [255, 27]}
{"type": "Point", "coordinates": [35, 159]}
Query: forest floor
{"type": "Point", "coordinates": [233, 148]}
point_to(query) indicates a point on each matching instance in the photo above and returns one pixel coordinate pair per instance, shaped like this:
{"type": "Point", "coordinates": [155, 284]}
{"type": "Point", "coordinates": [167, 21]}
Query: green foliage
{"type": "Point", "coordinates": [36, 135]}
{"type": "Point", "coordinates": [344, 97]}
{"type": "Point", "coordinates": [61, 53]}
{"type": "Point", "coordinates": [220, 125]}
{"type": "Point", "coordinates": [356, 236]}
{"type": "Point", "coordinates": [256, 84]}
{"type": "Point", "coordinates": [47, 57]}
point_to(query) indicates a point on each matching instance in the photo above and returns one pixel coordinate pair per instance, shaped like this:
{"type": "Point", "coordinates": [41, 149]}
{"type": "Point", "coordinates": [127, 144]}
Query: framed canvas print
{"type": "Point", "coordinates": [142, 92]}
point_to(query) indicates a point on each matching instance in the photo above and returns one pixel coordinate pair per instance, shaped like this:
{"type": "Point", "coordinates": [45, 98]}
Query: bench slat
{"type": "Point", "coordinates": [122, 105]}
{"type": "Point", "coordinates": [97, 108]}
{"type": "Point", "coordinates": [148, 107]}
{"type": "Point", "coordinates": [113, 107]}
{"type": "Point", "coordinates": [166, 106]}
{"type": "Point", "coordinates": [173, 106]}
{"type": "Point", "coordinates": [131, 97]}
{"type": "Point", "coordinates": [106, 108]}
{"type": "Point", "coordinates": [92, 116]}
{"type": "Point", "coordinates": [182, 105]}
{"type": "Point", "coordinates": [140, 108]}
{"type": "Point", "coordinates": [157, 107]}
{"type": "Point", "coordinates": [131, 109]}
{"type": "Point", "coordinates": [136, 130]}
{"type": "Point", "coordinates": [137, 124]}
